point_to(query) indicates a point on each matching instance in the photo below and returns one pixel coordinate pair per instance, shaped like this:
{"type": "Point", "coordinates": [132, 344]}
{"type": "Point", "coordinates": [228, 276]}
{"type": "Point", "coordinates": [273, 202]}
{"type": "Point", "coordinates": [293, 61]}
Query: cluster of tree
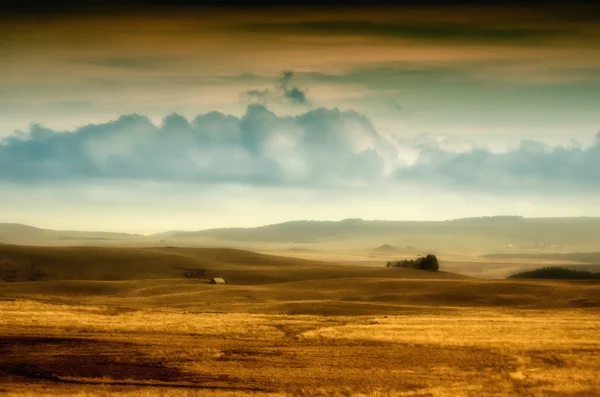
{"type": "Point", "coordinates": [557, 273]}
{"type": "Point", "coordinates": [429, 263]}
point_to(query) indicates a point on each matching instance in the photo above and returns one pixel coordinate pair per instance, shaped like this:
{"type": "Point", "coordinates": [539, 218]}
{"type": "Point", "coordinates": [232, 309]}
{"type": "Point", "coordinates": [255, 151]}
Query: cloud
{"type": "Point", "coordinates": [294, 94]}
{"type": "Point", "coordinates": [439, 32]}
{"type": "Point", "coordinates": [394, 106]}
{"type": "Point", "coordinates": [526, 73]}
{"type": "Point", "coordinates": [284, 92]}
{"type": "Point", "coordinates": [260, 148]}
{"type": "Point", "coordinates": [532, 167]}
{"type": "Point", "coordinates": [131, 62]}
{"type": "Point", "coordinates": [257, 96]}
{"type": "Point", "coordinates": [319, 148]}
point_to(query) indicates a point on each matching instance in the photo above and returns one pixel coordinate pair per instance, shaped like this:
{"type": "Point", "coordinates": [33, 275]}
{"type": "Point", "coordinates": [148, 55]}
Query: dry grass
{"type": "Point", "coordinates": [336, 296]}
{"type": "Point", "coordinates": [237, 266]}
{"type": "Point", "coordinates": [287, 327]}
{"type": "Point", "coordinates": [103, 351]}
{"type": "Point", "coordinates": [491, 328]}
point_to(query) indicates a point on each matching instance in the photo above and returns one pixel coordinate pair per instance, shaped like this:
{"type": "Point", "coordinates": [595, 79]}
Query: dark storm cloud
{"type": "Point", "coordinates": [477, 83]}
{"type": "Point", "coordinates": [54, 8]}
{"type": "Point", "coordinates": [394, 75]}
{"type": "Point", "coordinates": [62, 7]}
{"type": "Point", "coordinates": [434, 32]}
{"type": "Point", "coordinates": [284, 92]}
{"type": "Point", "coordinates": [77, 6]}
{"type": "Point", "coordinates": [132, 62]}
{"type": "Point", "coordinates": [294, 94]}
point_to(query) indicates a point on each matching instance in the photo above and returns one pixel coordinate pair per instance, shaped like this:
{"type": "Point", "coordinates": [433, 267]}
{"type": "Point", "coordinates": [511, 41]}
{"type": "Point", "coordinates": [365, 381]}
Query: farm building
{"type": "Point", "coordinates": [218, 280]}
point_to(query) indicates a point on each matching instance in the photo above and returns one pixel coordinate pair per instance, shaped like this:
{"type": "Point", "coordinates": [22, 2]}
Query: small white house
{"type": "Point", "coordinates": [218, 280]}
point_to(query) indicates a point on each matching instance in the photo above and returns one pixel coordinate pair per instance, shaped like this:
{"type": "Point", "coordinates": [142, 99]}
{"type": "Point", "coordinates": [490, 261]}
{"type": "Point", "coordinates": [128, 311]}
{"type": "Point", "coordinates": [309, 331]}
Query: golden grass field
{"type": "Point", "coordinates": [124, 322]}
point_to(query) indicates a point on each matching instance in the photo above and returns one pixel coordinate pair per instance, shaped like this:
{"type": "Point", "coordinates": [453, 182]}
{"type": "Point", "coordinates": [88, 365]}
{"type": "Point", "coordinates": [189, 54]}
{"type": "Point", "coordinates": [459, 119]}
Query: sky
{"type": "Point", "coordinates": [144, 117]}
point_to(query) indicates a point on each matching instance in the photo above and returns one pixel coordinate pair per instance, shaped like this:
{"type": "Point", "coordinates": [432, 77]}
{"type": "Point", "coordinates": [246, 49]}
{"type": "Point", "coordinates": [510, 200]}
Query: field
{"type": "Point", "coordinates": [124, 322]}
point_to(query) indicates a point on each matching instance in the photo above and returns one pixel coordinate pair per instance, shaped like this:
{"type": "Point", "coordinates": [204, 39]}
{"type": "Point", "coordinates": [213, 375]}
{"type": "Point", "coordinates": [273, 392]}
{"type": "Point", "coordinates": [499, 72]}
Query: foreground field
{"type": "Point", "coordinates": [125, 322]}
{"type": "Point", "coordinates": [49, 350]}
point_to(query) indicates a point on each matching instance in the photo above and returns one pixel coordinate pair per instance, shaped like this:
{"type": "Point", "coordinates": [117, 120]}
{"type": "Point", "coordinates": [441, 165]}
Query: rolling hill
{"type": "Point", "coordinates": [517, 231]}
{"type": "Point", "coordinates": [14, 233]}
{"type": "Point", "coordinates": [472, 236]}
{"type": "Point", "coordinates": [498, 235]}
{"type": "Point", "coordinates": [557, 273]}
{"type": "Point", "coordinates": [153, 277]}
{"type": "Point", "coordinates": [491, 247]}
{"type": "Point", "coordinates": [238, 266]}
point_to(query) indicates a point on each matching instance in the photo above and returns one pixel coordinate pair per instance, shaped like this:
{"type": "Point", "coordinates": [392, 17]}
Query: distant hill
{"type": "Point", "coordinates": [14, 233]}
{"type": "Point", "coordinates": [510, 232]}
{"type": "Point", "coordinates": [386, 248]}
{"type": "Point", "coordinates": [293, 231]}
{"type": "Point", "coordinates": [557, 273]}
{"type": "Point", "coordinates": [309, 230]}
{"type": "Point", "coordinates": [503, 235]}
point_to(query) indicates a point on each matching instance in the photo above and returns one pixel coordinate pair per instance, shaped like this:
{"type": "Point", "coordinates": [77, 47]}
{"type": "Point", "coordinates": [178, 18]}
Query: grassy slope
{"type": "Point", "coordinates": [348, 296]}
{"type": "Point", "coordinates": [237, 266]}
{"type": "Point", "coordinates": [265, 283]}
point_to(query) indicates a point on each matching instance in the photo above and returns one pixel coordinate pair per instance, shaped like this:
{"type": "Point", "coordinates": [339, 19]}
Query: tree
{"type": "Point", "coordinates": [430, 263]}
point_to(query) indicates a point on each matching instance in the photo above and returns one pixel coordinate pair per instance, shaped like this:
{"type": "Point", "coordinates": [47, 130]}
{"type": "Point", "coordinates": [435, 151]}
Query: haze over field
{"type": "Point", "coordinates": [150, 119]}
{"type": "Point", "coordinates": [358, 199]}
{"type": "Point", "coordinates": [492, 247]}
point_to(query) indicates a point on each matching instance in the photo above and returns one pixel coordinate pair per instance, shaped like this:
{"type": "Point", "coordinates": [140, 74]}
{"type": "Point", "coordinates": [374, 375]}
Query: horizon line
{"type": "Point", "coordinates": [295, 221]}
